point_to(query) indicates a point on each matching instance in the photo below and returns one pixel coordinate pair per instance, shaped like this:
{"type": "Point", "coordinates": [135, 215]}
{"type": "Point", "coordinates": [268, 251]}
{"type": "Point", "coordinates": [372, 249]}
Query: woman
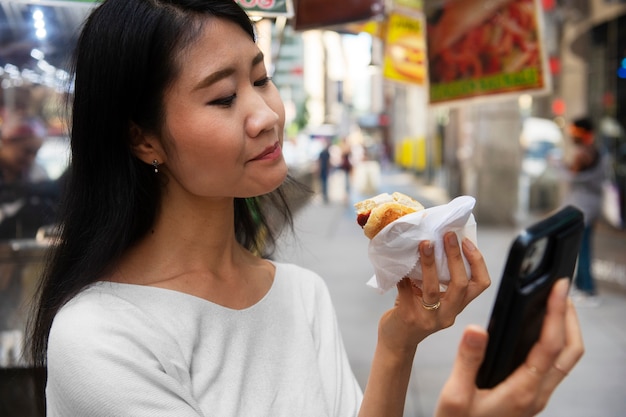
{"type": "Point", "coordinates": [154, 302]}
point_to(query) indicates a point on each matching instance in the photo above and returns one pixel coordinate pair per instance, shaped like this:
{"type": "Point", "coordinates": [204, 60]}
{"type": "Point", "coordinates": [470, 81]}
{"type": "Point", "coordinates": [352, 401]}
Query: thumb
{"type": "Point", "coordinates": [460, 388]}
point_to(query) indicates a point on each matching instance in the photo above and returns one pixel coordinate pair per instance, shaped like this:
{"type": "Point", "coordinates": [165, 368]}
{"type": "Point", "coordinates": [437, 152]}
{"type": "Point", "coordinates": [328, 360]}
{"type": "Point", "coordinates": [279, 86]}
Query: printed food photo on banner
{"type": "Point", "coordinates": [405, 53]}
{"type": "Point", "coordinates": [478, 48]}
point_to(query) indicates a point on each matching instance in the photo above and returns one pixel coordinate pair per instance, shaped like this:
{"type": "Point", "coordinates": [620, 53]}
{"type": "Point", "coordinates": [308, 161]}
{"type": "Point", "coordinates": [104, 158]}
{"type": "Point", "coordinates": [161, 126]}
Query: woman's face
{"type": "Point", "coordinates": [224, 118]}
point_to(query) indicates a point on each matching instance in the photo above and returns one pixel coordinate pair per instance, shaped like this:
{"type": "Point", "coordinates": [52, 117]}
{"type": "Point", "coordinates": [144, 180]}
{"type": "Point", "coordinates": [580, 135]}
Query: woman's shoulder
{"type": "Point", "coordinates": [104, 319]}
{"type": "Point", "coordinates": [298, 275]}
{"type": "Point", "coordinates": [302, 284]}
{"type": "Point", "coordinates": [89, 307]}
{"type": "Point", "coordinates": [104, 308]}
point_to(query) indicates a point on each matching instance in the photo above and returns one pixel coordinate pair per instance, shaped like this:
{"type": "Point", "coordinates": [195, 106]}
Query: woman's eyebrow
{"type": "Point", "coordinates": [213, 78]}
{"type": "Point", "coordinates": [223, 73]}
{"type": "Point", "coordinates": [257, 59]}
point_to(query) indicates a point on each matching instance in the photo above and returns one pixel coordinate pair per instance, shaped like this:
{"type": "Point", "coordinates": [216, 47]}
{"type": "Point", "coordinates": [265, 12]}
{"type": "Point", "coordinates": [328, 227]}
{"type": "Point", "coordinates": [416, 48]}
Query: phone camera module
{"type": "Point", "coordinates": [533, 258]}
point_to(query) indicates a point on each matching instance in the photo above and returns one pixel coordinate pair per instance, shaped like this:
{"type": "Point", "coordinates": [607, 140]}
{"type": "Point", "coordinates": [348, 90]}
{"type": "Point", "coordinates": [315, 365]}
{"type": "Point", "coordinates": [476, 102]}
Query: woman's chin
{"type": "Point", "coordinates": [270, 181]}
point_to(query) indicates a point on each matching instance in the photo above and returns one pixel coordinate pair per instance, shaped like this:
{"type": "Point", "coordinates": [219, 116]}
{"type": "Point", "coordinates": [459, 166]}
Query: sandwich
{"type": "Point", "coordinates": [373, 214]}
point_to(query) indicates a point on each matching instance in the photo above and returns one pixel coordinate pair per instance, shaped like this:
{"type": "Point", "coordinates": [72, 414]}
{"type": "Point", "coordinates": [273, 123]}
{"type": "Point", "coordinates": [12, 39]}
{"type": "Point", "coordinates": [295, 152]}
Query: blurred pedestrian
{"type": "Point", "coordinates": [21, 139]}
{"type": "Point", "coordinates": [586, 167]}
{"type": "Point", "coordinates": [22, 210]}
{"type": "Point", "coordinates": [346, 166]}
{"type": "Point", "coordinates": [154, 301]}
{"type": "Point", "coordinates": [324, 167]}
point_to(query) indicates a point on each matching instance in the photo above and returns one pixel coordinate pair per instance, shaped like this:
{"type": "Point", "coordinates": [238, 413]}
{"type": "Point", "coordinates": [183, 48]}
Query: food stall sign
{"type": "Point", "coordinates": [57, 2]}
{"type": "Point", "coordinates": [405, 49]}
{"type": "Point", "coordinates": [267, 8]}
{"type": "Point", "coordinates": [262, 8]}
{"type": "Point", "coordinates": [485, 52]}
{"type": "Point", "coordinates": [411, 4]}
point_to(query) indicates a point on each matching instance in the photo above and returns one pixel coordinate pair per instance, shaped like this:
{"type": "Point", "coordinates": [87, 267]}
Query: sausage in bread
{"type": "Point", "coordinates": [373, 214]}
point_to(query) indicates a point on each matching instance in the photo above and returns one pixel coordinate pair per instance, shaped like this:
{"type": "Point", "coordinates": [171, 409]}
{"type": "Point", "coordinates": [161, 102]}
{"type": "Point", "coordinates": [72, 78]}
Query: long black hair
{"type": "Point", "coordinates": [125, 59]}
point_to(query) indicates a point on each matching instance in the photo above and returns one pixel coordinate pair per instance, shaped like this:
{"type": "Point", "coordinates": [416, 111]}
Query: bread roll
{"type": "Point", "coordinates": [373, 214]}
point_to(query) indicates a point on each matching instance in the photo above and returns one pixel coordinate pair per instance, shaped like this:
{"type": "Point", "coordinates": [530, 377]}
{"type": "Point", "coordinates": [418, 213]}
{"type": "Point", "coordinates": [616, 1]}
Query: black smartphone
{"type": "Point", "coordinates": [539, 255]}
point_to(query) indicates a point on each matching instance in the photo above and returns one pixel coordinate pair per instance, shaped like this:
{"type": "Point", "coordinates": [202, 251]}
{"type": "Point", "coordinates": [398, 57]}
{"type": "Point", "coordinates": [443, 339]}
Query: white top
{"type": "Point", "coordinates": [131, 350]}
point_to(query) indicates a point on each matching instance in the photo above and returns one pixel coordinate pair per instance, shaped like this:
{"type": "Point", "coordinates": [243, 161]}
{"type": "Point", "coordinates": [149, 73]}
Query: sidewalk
{"type": "Point", "coordinates": [329, 241]}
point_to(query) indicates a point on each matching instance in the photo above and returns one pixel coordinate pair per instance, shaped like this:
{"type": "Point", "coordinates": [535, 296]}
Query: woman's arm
{"type": "Point", "coordinates": [411, 320]}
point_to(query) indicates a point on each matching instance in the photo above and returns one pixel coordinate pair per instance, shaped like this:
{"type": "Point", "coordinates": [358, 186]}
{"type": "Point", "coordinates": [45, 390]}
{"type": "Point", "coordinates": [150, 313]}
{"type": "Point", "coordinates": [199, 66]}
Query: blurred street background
{"type": "Point", "coordinates": [329, 241]}
{"type": "Point", "coordinates": [380, 95]}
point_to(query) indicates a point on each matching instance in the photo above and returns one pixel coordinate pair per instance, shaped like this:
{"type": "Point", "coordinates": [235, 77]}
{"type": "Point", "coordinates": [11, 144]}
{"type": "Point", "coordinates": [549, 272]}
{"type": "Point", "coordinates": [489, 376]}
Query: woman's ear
{"type": "Point", "coordinates": [144, 146]}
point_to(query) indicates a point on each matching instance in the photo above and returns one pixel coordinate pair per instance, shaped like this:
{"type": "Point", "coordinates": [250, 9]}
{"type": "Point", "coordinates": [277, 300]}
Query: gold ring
{"type": "Point", "coordinates": [431, 307]}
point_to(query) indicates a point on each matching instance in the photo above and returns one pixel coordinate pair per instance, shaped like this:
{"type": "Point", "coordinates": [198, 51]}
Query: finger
{"type": "Point", "coordinates": [551, 341]}
{"type": "Point", "coordinates": [460, 388]}
{"type": "Point", "coordinates": [574, 342]}
{"type": "Point", "coordinates": [530, 385]}
{"type": "Point", "coordinates": [479, 279]}
{"type": "Point", "coordinates": [571, 354]}
{"type": "Point", "coordinates": [568, 356]}
{"type": "Point", "coordinates": [430, 278]}
{"type": "Point", "coordinates": [458, 275]}
{"type": "Point", "coordinates": [406, 296]}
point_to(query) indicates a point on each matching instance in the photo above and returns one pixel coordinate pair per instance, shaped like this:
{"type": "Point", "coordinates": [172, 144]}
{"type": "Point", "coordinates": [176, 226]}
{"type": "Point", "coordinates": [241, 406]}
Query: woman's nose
{"type": "Point", "coordinates": [262, 116]}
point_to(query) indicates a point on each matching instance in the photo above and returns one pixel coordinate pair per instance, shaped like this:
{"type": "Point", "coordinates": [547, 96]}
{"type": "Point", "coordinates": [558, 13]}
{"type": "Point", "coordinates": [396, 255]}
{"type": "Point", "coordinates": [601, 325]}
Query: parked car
{"type": "Point", "coordinates": [542, 145]}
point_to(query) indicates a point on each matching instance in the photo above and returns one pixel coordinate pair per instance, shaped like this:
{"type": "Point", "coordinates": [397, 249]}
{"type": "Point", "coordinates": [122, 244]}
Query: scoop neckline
{"type": "Point", "coordinates": [195, 297]}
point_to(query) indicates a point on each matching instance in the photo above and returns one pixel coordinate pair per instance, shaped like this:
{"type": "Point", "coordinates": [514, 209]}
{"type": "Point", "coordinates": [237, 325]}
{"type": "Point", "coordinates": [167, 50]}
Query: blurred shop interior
{"type": "Point", "coordinates": [375, 77]}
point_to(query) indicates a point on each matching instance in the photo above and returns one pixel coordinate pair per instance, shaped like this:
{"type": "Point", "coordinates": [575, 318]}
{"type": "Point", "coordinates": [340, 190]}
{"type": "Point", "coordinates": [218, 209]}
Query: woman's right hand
{"type": "Point", "coordinates": [527, 391]}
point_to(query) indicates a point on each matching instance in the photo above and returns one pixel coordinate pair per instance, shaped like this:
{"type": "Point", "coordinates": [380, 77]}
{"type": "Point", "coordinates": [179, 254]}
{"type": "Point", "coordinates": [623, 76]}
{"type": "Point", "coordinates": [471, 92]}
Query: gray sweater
{"type": "Point", "coordinates": [584, 189]}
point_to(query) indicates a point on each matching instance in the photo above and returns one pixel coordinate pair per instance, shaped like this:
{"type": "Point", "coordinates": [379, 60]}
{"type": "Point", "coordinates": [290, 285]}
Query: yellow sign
{"type": "Point", "coordinates": [411, 4]}
{"type": "Point", "coordinates": [372, 27]}
{"type": "Point", "coordinates": [405, 50]}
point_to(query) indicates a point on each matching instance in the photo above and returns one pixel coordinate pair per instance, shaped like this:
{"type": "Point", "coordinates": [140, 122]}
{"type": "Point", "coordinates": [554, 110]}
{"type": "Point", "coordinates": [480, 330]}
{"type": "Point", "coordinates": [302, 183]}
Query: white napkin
{"type": "Point", "coordinates": [394, 250]}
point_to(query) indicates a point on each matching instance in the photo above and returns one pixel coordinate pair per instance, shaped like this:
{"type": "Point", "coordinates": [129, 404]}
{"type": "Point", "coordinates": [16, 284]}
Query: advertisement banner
{"type": "Point", "coordinates": [263, 8]}
{"type": "Point", "coordinates": [57, 2]}
{"type": "Point", "coordinates": [410, 4]}
{"type": "Point", "coordinates": [316, 14]}
{"type": "Point", "coordinates": [267, 8]}
{"type": "Point", "coordinates": [405, 49]}
{"type": "Point", "coordinates": [484, 49]}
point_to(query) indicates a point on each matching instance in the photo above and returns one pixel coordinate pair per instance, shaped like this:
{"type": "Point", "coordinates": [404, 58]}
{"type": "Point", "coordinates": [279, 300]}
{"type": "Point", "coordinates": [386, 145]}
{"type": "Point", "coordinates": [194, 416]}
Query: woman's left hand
{"type": "Point", "coordinates": [417, 312]}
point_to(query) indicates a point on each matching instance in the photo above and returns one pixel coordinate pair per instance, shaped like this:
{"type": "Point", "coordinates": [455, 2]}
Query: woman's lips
{"type": "Point", "coordinates": [270, 153]}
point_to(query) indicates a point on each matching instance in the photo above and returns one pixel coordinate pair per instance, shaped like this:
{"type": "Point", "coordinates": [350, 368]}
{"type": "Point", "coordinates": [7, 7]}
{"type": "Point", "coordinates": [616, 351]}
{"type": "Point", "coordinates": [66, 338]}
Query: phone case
{"type": "Point", "coordinates": [540, 254]}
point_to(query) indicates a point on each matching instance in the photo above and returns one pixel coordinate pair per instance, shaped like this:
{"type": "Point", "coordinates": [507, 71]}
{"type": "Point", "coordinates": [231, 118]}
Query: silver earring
{"type": "Point", "coordinates": [155, 164]}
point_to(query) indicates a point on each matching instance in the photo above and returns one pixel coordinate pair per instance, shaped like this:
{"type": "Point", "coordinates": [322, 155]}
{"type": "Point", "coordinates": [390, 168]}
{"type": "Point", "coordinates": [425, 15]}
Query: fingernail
{"type": "Point", "coordinates": [469, 245]}
{"type": "Point", "coordinates": [473, 337]}
{"type": "Point", "coordinates": [427, 248]}
{"type": "Point", "coordinates": [452, 239]}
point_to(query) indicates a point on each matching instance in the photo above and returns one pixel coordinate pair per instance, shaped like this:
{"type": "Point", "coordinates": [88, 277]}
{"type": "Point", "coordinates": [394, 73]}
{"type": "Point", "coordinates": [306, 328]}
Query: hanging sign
{"type": "Point", "coordinates": [484, 49]}
{"type": "Point", "coordinates": [416, 5]}
{"type": "Point", "coordinates": [57, 2]}
{"type": "Point", "coordinates": [267, 8]}
{"type": "Point", "coordinates": [316, 14]}
{"type": "Point", "coordinates": [405, 49]}
{"type": "Point", "coordinates": [263, 8]}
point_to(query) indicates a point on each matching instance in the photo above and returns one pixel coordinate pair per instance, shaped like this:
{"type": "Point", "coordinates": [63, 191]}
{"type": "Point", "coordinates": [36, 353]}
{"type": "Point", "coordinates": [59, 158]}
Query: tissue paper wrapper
{"type": "Point", "coordinates": [394, 250]}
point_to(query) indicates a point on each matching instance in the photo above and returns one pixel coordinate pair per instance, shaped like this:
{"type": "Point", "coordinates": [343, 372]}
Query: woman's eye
{"type": "Point", "coordinates": [263, 82]}
{"type": "Point", "coordinates": [224, 101]}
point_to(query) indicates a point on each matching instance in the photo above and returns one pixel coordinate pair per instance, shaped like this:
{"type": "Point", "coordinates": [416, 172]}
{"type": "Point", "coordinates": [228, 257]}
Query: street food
{"type": "Point", "coordinates": [373, 214]}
